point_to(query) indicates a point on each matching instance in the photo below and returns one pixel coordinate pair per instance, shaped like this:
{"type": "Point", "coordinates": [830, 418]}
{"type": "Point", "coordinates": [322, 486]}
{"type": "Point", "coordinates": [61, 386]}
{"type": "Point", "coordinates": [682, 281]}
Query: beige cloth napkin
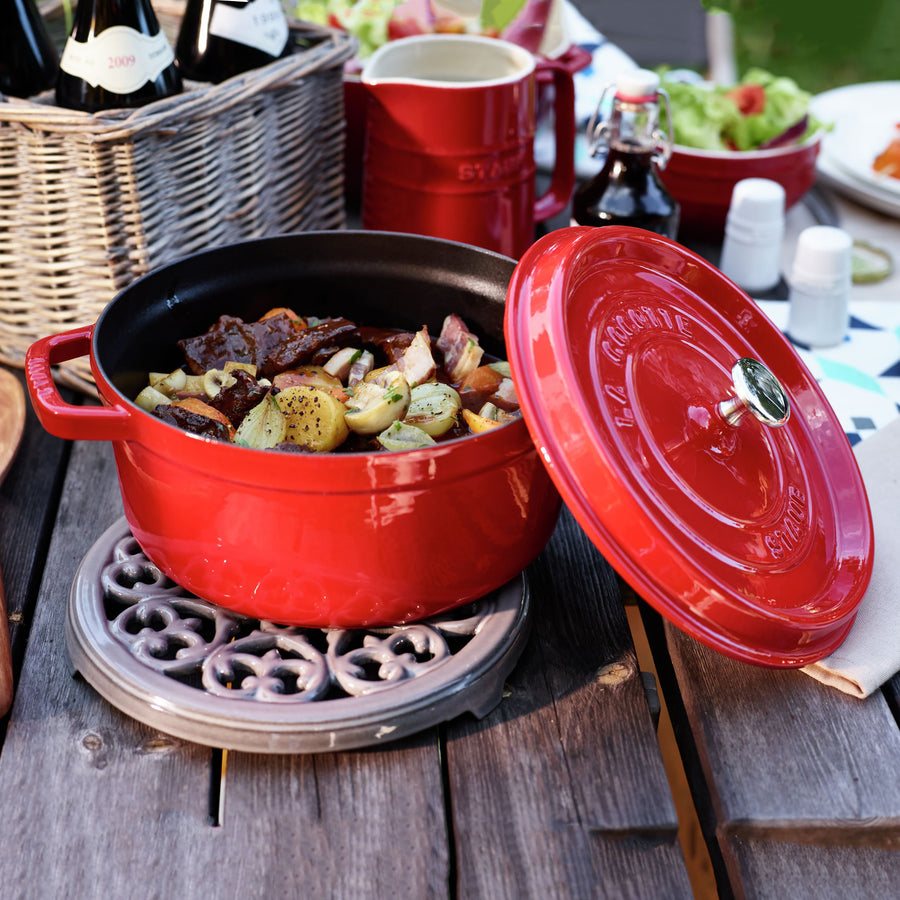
{"type": "Point", "coordinates": [870, 655]}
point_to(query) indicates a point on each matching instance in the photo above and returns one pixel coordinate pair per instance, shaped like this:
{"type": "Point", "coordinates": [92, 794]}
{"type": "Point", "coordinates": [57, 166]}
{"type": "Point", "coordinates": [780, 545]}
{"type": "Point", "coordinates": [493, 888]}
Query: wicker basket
{"type": "Point", "coordinates": [89, 202]}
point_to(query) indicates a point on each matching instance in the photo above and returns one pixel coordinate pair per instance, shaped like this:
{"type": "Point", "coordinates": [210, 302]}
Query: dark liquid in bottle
{"type": "Point", "coordinates": [28, 59]}
{"type": "Point", "coordinates": [203, 56]}
{"type": "Point", "coordinates": [627, 192]}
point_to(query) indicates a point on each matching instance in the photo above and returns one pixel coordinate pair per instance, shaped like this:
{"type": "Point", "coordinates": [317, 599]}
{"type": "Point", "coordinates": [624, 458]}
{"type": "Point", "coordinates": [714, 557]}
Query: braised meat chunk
{"type": "Point", "coordinates": [272, 344]}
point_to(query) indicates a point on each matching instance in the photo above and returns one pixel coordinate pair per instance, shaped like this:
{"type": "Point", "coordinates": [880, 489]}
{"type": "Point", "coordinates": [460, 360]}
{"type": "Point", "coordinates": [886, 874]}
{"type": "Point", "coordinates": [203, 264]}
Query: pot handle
{"type": "Point", "coordinates": [556, 198]}
{"type": "Point", "coordinates": [63, 419]}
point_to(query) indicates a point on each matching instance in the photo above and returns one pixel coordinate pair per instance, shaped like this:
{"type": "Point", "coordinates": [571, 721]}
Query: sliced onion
{"type": "Point", "coordinates": [433, 407]}
{"type": "Point", "coordinates": [788, 136]}
{"type": "Point", "coordinates": [400, 436]}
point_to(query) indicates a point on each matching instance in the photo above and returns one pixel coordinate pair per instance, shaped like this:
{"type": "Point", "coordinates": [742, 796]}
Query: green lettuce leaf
{"type": "Point", "coordinates": [499, 13]}
{"type": "Point", "coordinates": [704, 116]}
{"type": "Point", "coordinates": [367, 19]}
{"type": "Point", "coordinates": [786, 105]}
{"type": "Point", "coordinates": [700, 117]}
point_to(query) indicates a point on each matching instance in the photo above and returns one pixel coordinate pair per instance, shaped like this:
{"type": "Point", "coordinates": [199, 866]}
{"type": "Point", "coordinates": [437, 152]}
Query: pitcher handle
{"type": "Point", "coordinates": [63, 419]}
{"type": "Point", "coordinates": [557, 196]}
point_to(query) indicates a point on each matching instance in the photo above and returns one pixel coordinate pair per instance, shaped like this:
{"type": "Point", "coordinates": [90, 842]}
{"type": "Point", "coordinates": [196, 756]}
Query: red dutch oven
{"type": "Point", "coordinates": [676, 422]}
{"type": "Point", "coordinates": [335, 540]}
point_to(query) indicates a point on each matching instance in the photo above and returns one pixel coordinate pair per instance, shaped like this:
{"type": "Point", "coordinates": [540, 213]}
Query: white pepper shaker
{"type": "Point", "coordinates": [754, 229]}
{"type": "Point", "coordinates": [820, 287]}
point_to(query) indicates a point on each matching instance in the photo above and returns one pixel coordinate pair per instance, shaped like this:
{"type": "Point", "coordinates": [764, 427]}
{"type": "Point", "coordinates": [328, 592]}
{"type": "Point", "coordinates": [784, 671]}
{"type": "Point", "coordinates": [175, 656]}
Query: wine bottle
{"type": "Point", "coordinates": [28, 60]}
{"type": "Point", "coordinates": [116, 56]}
{"type": "Point", "coordinates": [220, 38]}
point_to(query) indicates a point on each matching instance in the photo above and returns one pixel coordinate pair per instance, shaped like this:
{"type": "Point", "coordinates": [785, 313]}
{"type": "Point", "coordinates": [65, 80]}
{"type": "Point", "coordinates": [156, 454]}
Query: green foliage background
{"type": "Point", "coordinates": [820, 43]}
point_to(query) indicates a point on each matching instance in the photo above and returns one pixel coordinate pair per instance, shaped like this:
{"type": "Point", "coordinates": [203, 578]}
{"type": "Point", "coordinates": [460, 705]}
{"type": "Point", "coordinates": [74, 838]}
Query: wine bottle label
{"type": "Point", "coordinates": [260, 24]}
{"type": "Point", "coordinates": [119, 59]}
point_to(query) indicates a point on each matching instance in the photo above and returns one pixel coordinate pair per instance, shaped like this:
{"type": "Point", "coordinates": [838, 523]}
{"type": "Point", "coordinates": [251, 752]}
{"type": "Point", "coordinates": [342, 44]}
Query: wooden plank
{"type": "Point", "coordinates": [103, 802]}
{"type": "Point", "coordinates": [783, 753]}
{"type": "Point", "coordinates": [652, 32]}
{"type": "Point", "coordinates": [787, 775]}
{"type": "Point", "coordinates": [561, 791]}
{"type": "Point", "coordinates": [113, 804]}
{"type": "Point", "coordinates": [773, 870]}
{"type": "Point", "coordinates": [360, 824]}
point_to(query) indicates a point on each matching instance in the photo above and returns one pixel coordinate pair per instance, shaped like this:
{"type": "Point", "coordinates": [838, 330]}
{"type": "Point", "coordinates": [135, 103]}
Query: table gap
{"type": "Point", "coordinates": [217, 767]}
{"type": "Point", "coordinates": [452, 868]}
{"type": "Point", "coordinates": [690, 834]}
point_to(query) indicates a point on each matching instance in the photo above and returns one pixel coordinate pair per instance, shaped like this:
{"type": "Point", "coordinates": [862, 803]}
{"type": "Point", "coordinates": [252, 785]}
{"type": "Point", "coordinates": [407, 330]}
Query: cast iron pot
{"type": "Point", "coordinates": [334, 540]}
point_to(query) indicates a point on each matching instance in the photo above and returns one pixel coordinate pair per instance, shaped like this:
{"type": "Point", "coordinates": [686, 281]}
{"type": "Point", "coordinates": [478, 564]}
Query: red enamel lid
{"type": "Point", "coordinates": [750, 533]}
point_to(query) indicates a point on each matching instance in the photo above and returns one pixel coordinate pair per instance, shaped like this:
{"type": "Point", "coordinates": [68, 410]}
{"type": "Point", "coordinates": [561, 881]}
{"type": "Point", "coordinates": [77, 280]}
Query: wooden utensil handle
{"type": "Point", "coordinates": [6, 669]}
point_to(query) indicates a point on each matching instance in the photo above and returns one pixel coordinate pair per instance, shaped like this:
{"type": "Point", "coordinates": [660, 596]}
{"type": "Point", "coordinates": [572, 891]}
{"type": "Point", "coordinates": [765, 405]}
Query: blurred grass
{"type": "Point", "coordinates": [819, 44]}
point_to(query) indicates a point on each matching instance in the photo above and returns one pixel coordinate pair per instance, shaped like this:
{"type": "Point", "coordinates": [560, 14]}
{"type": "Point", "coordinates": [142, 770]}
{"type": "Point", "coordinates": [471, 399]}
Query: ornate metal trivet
{"type": "Point", "coordinates": [202, 673]}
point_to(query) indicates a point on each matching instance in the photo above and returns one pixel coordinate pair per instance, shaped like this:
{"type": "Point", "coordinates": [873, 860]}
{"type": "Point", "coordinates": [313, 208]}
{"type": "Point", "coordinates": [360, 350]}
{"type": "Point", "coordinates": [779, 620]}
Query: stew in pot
{"type": "Point", "coordinates": [286, 382]}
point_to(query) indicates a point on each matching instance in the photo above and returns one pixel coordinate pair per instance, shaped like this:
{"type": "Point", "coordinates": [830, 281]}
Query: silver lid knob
{"type": "Point", "coordinates": [757, 390]}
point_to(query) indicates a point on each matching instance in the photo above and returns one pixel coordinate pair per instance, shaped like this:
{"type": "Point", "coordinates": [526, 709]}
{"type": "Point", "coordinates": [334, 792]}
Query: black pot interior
{"type": "Point", "coordinates": [372, 278]}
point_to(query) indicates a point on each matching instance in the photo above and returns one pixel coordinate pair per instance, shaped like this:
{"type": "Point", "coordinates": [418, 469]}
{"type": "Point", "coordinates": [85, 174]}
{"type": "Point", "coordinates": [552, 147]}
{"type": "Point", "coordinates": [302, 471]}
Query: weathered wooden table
{"type": "Point", "coordinates": [559, 792]}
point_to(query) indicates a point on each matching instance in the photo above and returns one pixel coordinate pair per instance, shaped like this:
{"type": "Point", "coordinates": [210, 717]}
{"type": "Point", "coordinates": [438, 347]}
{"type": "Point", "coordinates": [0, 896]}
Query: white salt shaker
{"type": "Point", "coordinates": [754, 229]}
{"type": "Point", "coordinates": [820, 287]}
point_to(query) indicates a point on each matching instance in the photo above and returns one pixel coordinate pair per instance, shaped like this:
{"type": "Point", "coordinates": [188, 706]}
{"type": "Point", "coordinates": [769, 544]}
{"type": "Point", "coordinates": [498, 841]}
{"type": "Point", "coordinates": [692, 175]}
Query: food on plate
{"type": "Point", "coordinates": [888, 161]}
{"type": "Point", "coordinates": [761, 112]}
{"type": "Point", "coordinates": [285, 382]}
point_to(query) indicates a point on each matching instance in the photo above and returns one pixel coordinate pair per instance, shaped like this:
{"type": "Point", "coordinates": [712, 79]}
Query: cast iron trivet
{"type": "Point", "coordinates": [204, 674]}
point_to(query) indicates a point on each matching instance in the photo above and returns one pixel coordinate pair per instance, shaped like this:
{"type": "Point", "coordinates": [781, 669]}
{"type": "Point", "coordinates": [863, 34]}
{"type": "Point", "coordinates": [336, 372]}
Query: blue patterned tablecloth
{"type": "Point", "coordinates": [860, 376]}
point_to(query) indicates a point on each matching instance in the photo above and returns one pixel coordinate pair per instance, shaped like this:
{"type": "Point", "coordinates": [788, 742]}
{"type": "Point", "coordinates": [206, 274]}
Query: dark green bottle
{"type": "Point", "coordinates": [28, 60]}
{"type": "Point", "coordinates": [116, 56]}
{"type": "Point", "coordinates": [219, 38]}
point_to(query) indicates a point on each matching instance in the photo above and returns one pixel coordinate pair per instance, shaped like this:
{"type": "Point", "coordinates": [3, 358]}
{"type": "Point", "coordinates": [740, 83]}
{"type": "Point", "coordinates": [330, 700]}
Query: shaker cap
{"type": "Point", "coordinates": [757, 203]}
{"type": "Point", "coordinates": [823, 256]}
{"type": "Point", "coordinates": [637, 85]}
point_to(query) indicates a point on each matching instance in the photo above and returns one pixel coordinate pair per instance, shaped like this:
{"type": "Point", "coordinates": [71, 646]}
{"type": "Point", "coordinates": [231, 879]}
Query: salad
{"type": "Point", "coordinates": [761, 111]}
{"type": "Point", "coordinates": [375, 22]}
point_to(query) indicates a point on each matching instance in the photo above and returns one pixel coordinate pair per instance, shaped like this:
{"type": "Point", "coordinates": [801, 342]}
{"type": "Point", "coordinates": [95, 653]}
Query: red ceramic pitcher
{"type": "Point", "coordinates": [450, 140]}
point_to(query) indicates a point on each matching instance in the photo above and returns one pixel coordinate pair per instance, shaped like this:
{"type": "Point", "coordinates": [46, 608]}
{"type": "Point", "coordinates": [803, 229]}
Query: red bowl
{"type": "Point", "coordinates": [702, 180]}
{"type": "Point", "coordinates": [331, 540]}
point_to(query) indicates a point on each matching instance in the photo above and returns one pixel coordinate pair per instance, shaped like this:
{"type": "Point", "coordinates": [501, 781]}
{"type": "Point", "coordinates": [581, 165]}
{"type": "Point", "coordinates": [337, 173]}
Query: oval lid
{"type": "Point", "coordinates": [753, 537]}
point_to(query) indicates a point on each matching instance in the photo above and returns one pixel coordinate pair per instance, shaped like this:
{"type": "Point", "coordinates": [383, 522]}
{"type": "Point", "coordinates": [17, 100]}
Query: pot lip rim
{"type": "Point", "coordinates": [512, 439]}
{"type": "Point", "coordinates": [524, 59]}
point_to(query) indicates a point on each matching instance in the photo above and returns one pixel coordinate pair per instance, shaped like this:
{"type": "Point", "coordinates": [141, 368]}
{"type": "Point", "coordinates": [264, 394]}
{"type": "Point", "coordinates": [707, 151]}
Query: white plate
{"type": "Point", "coordinates": [844, 163]}
{"type": "Point", "coordinates": [857, 140]}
